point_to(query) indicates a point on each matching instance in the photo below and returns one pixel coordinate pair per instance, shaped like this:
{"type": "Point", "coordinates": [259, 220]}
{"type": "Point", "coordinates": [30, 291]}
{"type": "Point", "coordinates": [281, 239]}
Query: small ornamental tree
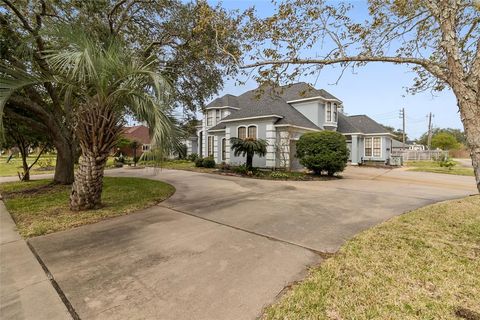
{"type": "Point", "coordinates": [324, 151]}
{"type": "Point", "coordinates": [248, 147]}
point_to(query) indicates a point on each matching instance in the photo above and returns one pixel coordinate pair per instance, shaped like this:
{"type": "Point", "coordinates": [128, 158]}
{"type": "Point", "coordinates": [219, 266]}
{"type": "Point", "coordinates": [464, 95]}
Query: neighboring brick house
{"type": "Point", "coordinates": [141, 134]}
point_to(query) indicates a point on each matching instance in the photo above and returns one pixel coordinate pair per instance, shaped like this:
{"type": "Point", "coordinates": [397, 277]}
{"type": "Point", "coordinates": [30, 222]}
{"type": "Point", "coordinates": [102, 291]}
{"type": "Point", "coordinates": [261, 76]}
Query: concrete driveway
{"type": "Point", "coordinates": [225, 247]}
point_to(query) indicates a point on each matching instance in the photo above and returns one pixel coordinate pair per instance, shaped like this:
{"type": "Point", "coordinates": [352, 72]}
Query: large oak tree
{"type": "Point", "coordinates": [195, 43]}
{"type": "Point", "coordinates": [440, 40]}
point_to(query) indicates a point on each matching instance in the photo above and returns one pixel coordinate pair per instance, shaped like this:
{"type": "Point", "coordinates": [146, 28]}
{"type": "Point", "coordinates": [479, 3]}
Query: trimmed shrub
{"type": "Point", "coordinates": [193, 157]}
{"type": "Point", "coordinates": [241, 169]}
{"type": "Point", "coordinates": [324, 151]}
{"type": "Point", "coordinates": [199, 162]}
{"type": "Point", "coordinates": [208, 162]}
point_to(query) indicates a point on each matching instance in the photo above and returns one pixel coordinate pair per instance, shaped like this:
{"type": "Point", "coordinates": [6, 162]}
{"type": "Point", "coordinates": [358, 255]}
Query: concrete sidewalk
{"type": "Point", "coordinates": [25, 290]}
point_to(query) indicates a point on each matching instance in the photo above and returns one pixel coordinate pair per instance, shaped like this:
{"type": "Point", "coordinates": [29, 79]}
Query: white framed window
{"type": "Point", "coordinates": [242, 132]}
{"type": "Point", "coordinates": [252, 132]}
{"type": "Point", "coordinates": [329, 111]}
{"type": "Point", "coordinates": [373, 147]}
{"type": "Point", "coordinates": [218, 115]}
{"type": "Point", "coordinates": [145, 147]}
{"type": "Point", "coordinates": [224, 149]}
{"type": "Point", "coordinates": [377, 147]}
{"type": "Point", "coordinates": [210, 146]}
{"type": "Point", "coordinates": [210, 118]}
{"type": "Point", "coordinates": [335, 112]}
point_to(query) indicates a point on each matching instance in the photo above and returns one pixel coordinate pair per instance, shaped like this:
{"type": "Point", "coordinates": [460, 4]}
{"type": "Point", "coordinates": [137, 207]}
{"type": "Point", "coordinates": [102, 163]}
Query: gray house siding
{"type": "Point", "coordinates": [261, 134]}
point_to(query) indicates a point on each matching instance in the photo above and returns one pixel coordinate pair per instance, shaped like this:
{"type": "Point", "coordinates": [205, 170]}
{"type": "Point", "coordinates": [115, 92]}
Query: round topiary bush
{"type": "Point", "coordinates": [324, 151]}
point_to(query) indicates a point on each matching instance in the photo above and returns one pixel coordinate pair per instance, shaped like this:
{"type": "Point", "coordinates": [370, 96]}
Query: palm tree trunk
{"type": "Point", "coordinates": [249, 161]}
{"type": "Point", "coordinates": [87, 188]}
{"type": "Point", "coordinates": [97, 131]}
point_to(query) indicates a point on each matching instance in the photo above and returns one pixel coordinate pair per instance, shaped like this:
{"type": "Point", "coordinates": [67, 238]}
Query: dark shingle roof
{"type": "Point", "coordinates": [302, 90]}
{"type": "Point", "coordinates": [359, 124]}
{"type": "Point", "coordinates": [268, 101]}
{"type": "Point", "coordinates": [220, 126]}
{"type": "Point", "coordinates": [227, 100]}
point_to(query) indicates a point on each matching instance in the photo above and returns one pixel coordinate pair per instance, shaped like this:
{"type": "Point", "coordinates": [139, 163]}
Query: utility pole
{"type": "Point", "coordinates": [429, 143]}
{"type": "Point", "coordinates": [402, 116]}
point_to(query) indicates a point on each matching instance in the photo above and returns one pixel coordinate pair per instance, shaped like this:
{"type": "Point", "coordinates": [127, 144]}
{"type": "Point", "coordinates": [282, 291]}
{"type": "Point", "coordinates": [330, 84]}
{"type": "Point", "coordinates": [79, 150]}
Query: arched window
{"type": "Point", "coordinates": [242, 132]}
{"type": "Point", "coordinates": [252, 132]}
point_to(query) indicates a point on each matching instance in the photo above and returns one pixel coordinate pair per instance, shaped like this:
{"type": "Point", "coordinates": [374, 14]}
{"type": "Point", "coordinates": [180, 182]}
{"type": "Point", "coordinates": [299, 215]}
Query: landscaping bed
{"type": "Point", "coordinates": [40, 207]}
{"type": "Point", "coordinates": [424, 264]}
{"type": "Point", "coordinates": [240, 171]}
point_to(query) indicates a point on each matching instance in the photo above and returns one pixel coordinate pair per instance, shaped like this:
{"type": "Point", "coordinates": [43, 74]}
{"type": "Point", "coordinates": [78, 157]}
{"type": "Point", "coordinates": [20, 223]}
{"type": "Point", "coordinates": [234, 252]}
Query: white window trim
{"type": "Point", "coordinates": [223, 149]}
{"type": "Point", "coordinates": [213, 147]}
{"type": "Point", "coordinates": [373, 154]}
{"type": "Point", "coordinates": [327, 105]}
{"type": "Point", "coordinates": [256, 130]}
{"type": "Point", "coordinates": [246, 131]}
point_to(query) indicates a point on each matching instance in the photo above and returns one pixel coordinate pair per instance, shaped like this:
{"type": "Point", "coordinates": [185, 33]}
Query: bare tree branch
{"type": "Point", "coordinates": [434, 68]}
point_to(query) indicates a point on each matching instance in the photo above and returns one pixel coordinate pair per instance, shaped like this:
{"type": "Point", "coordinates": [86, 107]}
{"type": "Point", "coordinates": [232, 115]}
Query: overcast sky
{"type": "Point", "coordinates": [377, 90]}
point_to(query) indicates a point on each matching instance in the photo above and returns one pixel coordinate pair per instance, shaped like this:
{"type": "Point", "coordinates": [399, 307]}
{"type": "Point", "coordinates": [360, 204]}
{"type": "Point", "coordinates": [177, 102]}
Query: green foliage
{"type": "Point", "coordinates": [279, 175]}
{"type": "Point", "coordinates": [193, 157]}
{"type": "Point", "coordinates": [248, 147]}
{"type": "Point", "coordinates": [444, 141]}
{"type": "Point", "coordinates": [446, 162]}
{"type": "Point", "coordinates": [208, 162]}
{"type": "Point", "coordinates": [457, 133]}
{"type": "Point", "coordinates": [199, 162]}
{"type": "Point", "coordinates": [241, 169]}
{"type": "Point", "coordinates": [324, 151]}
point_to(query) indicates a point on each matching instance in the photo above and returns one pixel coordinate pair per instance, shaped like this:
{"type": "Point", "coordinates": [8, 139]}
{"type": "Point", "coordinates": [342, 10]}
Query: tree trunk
{"type": "Point", "coordinates": [249, 161]}
{"type": "Point", "coordinates": [65, 164]}
{"type": "Point", "coordinates": [470, 114]}
{"type": "Point", "coordinates": [98, 128]}
{"type": "Point", "coordinates": [87, 188]}
{"type": "Point", "coordinates": [26, 171]}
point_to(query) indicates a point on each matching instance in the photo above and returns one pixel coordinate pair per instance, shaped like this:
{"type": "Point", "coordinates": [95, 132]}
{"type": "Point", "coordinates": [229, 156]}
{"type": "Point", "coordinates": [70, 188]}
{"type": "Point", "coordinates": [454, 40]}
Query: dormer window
{"type": "Point", "coordinates": [218, 115]}
{"type": "Point", "coordinates": [209, 118]}
{"type": "Point", "coordinates": [329, 112]}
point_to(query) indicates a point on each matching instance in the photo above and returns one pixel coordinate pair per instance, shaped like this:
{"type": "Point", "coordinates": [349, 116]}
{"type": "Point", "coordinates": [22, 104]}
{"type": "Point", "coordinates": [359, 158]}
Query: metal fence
{"type": "Point", "coordinates": [409, 155]}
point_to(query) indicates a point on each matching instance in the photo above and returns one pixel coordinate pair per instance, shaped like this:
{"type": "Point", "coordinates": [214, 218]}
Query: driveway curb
{"type": "Point", "coordinates": [26, 290]}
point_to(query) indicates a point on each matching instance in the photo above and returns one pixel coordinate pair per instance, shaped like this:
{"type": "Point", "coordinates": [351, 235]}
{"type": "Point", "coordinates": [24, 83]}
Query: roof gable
{"type": "Point", "coordinates": [359, 124]}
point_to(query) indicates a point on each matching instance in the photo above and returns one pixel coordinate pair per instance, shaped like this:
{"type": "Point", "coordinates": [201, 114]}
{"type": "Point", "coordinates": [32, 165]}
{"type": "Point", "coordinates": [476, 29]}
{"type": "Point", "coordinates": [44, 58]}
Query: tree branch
{"type": "Point", "coordinates": [432, 67]}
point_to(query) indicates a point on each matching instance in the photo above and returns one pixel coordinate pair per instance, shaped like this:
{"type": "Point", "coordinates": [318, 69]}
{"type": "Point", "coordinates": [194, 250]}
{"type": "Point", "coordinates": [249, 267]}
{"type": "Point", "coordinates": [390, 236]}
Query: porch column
{"type": "Point", "coordinates": [270, 137]}
{"type": "Point", "coordinates": [215, 149]}
{"type": "Point", "coordinates": [227, 145]}
{"type": "Point", "coordinates": [355, 149]}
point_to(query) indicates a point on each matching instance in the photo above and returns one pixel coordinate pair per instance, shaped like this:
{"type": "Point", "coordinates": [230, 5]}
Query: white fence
{"type": "Point", "coordinates": [409, 155]}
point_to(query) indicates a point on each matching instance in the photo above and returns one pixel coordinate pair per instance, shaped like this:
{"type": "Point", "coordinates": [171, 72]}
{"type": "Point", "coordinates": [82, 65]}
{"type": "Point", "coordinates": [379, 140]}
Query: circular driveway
{"type": "Point", "coordinates": [224, 247]}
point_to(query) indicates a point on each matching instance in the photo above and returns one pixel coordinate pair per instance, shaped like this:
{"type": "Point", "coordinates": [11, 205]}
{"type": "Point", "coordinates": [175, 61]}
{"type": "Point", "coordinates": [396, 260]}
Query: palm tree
{"type": "Point", "coordinates": [248, 147]}
{"type": "Point", "coordinates": [103, 82]}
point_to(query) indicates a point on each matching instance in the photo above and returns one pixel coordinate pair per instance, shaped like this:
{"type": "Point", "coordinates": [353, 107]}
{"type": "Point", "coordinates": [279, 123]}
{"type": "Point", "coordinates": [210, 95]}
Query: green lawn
{"type": "Point", "coordinates": [422, 265]}
{"type": "Point", "coordinates": [434, 166]}
{"type": "Point", "coordinates": [45, 164]}
{"type": "Point", "coordinates": [40, 207]}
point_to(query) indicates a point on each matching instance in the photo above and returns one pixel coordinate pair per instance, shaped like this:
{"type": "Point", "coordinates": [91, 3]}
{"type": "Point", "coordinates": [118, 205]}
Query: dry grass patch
{"type": "Point", "coordinates": [40, 207]}
{"type": "Point", "coordinates": [422, 265]}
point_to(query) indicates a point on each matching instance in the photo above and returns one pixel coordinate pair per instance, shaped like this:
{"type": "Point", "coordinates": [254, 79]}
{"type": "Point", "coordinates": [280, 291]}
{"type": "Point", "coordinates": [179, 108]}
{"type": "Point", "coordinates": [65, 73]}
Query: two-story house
{"type": "Point", "coordinates": [281, 116]}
